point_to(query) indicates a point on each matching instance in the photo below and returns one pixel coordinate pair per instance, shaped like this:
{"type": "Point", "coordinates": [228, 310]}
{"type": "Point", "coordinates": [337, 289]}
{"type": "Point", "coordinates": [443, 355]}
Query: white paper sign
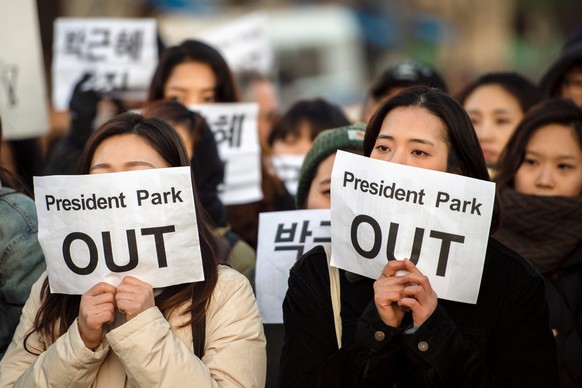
{"type": "Point", "coordinates": [120, 54]}
{"type": "Point", "coordinates": [103, 227]}
{"type": "Point", "coordinates": [235, 130]}
{"type": "Point", "coordinates": [23, 95]}
{"type": "Point", "coordinates": [439, 220]}
{"type": "Point", "coordinates": [288, 168]}
{"type": "Point", "coordinates": [244, 43]}
{"type": "Point", "coordinates": [283, 238]}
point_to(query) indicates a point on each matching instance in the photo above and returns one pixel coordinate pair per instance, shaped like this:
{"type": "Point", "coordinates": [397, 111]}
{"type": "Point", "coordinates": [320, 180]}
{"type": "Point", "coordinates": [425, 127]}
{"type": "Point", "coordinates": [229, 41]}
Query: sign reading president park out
{"type": "Point", "coordinates": [384, 211]}
{"type": "Point", "coordinates": [103, 227]}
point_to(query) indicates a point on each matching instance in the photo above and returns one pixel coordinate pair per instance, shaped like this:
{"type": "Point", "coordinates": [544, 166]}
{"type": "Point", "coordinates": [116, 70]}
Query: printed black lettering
{"type": "Point", "coordinates": [158, 233]}
{"type": "Point", "coordinates": [176, 195]}
{"type": "Point", "coordinates": [441, 198]}
{"type": "Point", "coordinates": [108, 252]}
{"type": "Point", "coordinates": [447, 239]}
{"type": "Point", "coordinates": [92, 253]}
{"type": "Point", "coordinates": [348, 177]}
{"type": "Point", "coordinates": [373, 252]}
{"type": "Point", "coordinates": [141, 196]}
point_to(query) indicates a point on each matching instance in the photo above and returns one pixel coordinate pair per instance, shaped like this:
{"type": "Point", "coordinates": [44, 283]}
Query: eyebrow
{"type": "Point", "coordinates": [413, 140]}
{"type": "Point", "coordinates": [560, 157]}
{"type": "Point", "coordinates": [135, 163]}
{"type": "Point", "coordinates": [325, 181]}
{"type": "Point", "coordinates": [182, 89]}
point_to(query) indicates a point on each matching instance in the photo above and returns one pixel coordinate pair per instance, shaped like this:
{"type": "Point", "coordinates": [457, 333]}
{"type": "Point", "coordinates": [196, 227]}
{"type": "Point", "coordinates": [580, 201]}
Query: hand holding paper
{"type": "Point", "coordinates": [96, 309]}
{"type": "Point", "coordinates": [134, 296]}
{"type": "Point", "coordinates": [417, 295]}
{"type": "Point", "coordinates": [388, 293]}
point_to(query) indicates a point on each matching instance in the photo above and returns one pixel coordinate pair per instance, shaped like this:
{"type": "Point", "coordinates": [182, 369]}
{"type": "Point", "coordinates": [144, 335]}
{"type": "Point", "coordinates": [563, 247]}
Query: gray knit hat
{"type": "Point", "coordinates": [350, 137]}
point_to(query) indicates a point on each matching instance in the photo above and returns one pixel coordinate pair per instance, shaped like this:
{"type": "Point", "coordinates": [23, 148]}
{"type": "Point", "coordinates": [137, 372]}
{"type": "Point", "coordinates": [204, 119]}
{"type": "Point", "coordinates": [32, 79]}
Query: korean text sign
{"type": "Point", "coordinates": [103, 227]}
{"type": "Point", "coordinates": [120, 54]}
{"type": "Point", "coordinates": [283, 238]}
{"type": "Point", "coordinates": [235, 130]}
{"type": "Point", "coordinates": [383, 211]}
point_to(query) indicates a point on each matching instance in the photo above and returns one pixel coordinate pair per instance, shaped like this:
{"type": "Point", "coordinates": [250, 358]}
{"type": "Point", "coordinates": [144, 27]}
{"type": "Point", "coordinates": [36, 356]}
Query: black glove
{"type": "Point", "coordinates": [83, 109]}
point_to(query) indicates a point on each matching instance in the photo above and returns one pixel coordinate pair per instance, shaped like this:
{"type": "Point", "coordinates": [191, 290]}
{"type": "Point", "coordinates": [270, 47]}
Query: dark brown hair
{"type": "Point", "coordinates": [194, 51]}
{"type": "Point", "coordinates": [58, 311]}
{"type": "Point", "coordinates": [556, 111]}
{"type": "Point", "coordinates": [465, 155]}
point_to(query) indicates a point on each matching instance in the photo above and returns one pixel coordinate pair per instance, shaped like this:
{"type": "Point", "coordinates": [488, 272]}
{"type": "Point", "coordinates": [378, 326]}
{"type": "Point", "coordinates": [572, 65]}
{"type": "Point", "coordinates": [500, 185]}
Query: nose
{"type": "Point", "coordinates": [484, 131]}
{"type": "Point", "coordinates": [545, 179]}
{"type": "Point", "coordinates": [398, 157]}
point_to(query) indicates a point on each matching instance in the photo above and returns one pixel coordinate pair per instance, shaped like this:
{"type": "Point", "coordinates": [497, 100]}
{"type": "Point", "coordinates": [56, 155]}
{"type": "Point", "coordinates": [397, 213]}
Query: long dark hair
{"type": "Point", "coordinates": [556, 111]}
{"type": "Point", "coordinates": [58, 311]}
{"type": "Point", "coordinates": [194, 51]}
{"type": "Point", "coordinates": [465, 155]}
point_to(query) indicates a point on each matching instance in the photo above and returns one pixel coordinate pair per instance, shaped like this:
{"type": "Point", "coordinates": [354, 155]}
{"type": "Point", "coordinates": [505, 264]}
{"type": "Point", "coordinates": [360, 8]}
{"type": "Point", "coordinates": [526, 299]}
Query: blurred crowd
{"type": "Point", "coordinates": [529, 131]}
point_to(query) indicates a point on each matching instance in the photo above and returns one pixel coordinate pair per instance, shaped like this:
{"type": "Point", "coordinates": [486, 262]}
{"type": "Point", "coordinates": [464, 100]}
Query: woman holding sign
{"type": "Point", "coordinates": [206, 333]}
{"type": "Point", "coordinates": [395, 330]}
{"type": "Point", "coordinates": [540, 187]}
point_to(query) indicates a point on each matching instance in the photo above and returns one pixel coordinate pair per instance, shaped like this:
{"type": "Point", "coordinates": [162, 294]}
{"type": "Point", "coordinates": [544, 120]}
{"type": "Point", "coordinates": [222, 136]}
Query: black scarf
{"type": "Point", "coordinates": [545, 230]}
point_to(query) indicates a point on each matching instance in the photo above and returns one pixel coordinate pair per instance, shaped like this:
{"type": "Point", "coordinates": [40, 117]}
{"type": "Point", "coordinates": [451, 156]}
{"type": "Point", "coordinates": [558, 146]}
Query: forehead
{"type": "Point", "coordinates": [413, 122]}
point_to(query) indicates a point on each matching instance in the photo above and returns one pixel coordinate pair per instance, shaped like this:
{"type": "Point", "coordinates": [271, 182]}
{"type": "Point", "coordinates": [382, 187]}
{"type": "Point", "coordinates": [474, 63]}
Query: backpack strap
{"type": "Point", "coordinates": [335, 292]}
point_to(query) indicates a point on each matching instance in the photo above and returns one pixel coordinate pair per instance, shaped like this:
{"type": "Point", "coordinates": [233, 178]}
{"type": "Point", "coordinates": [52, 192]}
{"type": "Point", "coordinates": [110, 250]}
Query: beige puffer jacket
{"type": "Point", "coordinates": [149, 351]}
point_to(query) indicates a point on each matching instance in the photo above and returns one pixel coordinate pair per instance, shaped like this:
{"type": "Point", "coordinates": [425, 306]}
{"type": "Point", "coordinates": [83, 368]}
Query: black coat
{"type": "Point", "coordinates": [564, 296]}
{"type": "Point", "coordinates": [503, 340]}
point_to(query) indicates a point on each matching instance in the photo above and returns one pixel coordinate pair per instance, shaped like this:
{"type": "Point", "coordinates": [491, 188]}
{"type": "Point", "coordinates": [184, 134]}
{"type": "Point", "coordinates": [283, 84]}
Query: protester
{"type": "Point", "coordinates": [207, 332]}
{"type": "Point", "coordinates": [21, 258]}
{"type": "Point", "coordinates": [209, 173]}
{"type": "Point", "coordinates": [496, 103]}
{"type": "Point", "coordinates": [195, 73]}
{"type": "Point", "coordinates": [540, 186]}
{"type": "Point", "coordinates": [293, 134]}
{"type": "Point", "coordinates": [84, 107]}
{"type": "Point", "coordinates": [256, 87]}
{"type": "Point", "coordinates": [398, 78]}
{"type": "Point", "coordinates": [563, 78]}
{"type": "Point", "coordinates": [314, 187]}
{"type": "Point", "coordinates": [395, 329]}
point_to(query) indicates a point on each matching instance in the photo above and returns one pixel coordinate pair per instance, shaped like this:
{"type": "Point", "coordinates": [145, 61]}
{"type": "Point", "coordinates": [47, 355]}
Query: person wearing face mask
{"type": "Point", "coordinates": [496, 103]}
{"type": "Point", "coordinates": [395, 330]}
{"type": "Point", "coordinates": [206, 333]}
{"type": "Point", "coordinates": [540, 186]}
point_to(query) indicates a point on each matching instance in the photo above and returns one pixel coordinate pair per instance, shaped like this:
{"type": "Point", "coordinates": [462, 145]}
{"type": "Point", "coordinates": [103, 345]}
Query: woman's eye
{"type": "Point", "coordinates": [209, 98]}
{"type": "Point", "coordinates": [565, 166]}
{"type": "Point", "coordinates": [502, 121]}
{"type": "Point", "coordinates": [382, 148]}
{"type": "Point", "coordinates": [419, 153]}
{"type": "Point", "coordinates": [530, 162]}
{"type": "Point", "coordinates": [326, 193]}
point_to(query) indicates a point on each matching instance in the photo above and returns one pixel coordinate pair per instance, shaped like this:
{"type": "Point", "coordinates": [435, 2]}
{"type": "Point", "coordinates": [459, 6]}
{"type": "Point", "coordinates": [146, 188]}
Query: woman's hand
{"type": "Point", "coordinates": [96, 309]}
{"type": "Point", "coordinates": [134, 296]}
{"type": "Point", "coordinates": [417, 295]}
{"type": "Point", "coordinates": [388, 293]}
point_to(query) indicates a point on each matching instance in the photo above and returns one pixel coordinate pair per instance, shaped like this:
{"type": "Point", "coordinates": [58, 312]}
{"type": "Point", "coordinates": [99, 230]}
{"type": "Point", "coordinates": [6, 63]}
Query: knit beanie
{"type": "Point", "coordinates": [350, 137]}
{"type": "Point", "coordinates": [570, 53]}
